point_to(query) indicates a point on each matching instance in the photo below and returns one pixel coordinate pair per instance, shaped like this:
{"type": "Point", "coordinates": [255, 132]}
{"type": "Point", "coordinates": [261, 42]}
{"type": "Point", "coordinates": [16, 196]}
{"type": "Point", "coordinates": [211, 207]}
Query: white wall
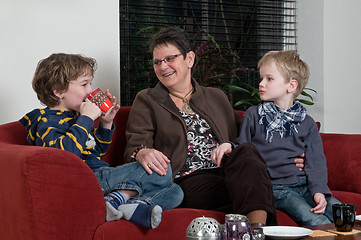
{"type": "Point", "coordinates": [31, 30]}
{"type": "Point", "coordinates": [310, 47]}
{"type": "Point", "coordinates": [342, 64]}
{"type": "Point", "coordinates": [329, 40]}
{"type": "Point", "coordinates": [328, 37]}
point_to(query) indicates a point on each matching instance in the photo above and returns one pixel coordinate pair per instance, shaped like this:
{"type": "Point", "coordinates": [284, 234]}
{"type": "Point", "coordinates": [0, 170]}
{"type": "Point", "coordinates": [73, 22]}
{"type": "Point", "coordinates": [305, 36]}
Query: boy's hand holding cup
{"type": "Point", "coordinates": [90, 109]}
{"type": "Point", "coordinates": [101, 100]}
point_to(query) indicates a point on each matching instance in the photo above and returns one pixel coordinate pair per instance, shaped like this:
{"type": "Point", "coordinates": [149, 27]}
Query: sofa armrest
{"type": "Point", "coordinates": [47, 193]}
{"type": "Point", "coordinates": [343, 153]}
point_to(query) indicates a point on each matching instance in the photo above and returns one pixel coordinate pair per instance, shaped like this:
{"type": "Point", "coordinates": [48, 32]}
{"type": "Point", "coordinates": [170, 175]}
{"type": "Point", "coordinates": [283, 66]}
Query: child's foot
{"type": "Point", "coordinates": [112, 202]}
{"type": "Point", "coordinates": [112, 213]}
{"type": "Point", "coordinates": [142, 214]}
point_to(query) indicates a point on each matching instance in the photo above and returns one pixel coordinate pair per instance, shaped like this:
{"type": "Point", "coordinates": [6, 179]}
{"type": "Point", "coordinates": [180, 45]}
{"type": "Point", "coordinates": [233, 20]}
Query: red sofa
{"type": "Point", "coordinates": [51, 194]}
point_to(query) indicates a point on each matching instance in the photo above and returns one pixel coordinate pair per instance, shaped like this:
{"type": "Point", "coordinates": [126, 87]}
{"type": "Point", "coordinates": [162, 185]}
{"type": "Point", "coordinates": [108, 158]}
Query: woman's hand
{"type": "Point", "coordinates": [300, 160]}
{"type": "Point", "coordinates": [152, 159]}
{"type": "Point", "coordinates": [218, 153]}
{"type": "Point", "coordinates": [321, 203]}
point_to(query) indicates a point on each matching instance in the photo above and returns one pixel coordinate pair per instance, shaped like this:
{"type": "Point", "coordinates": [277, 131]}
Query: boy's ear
{"type": "Point", "coordinates": [292, 85]}
{"type": "Point", "coordinates": [58, 93]}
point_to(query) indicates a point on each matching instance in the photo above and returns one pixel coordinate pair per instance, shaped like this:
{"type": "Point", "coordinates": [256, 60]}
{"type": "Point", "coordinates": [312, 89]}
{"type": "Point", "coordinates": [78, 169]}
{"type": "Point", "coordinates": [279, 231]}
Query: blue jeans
{"type": "Point", "coordinates": [296, 200]}
{"type": "Point", "coordinates": [152, 188]}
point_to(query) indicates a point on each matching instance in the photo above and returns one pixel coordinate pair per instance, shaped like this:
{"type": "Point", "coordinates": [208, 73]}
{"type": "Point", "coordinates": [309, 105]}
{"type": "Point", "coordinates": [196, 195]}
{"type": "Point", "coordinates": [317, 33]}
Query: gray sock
{"type": "Point", "coordinates": [142, 214]}
{"type": "Point", "coordinates": [112, 213]}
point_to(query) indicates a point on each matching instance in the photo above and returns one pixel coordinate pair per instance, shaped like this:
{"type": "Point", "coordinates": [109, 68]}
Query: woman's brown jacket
{"type": "Point", "coordinates": [155, 121]}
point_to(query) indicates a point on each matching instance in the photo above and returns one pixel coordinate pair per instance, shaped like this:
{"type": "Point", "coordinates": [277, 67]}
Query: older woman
{"type": "Point", "coordinates": [181, 122]}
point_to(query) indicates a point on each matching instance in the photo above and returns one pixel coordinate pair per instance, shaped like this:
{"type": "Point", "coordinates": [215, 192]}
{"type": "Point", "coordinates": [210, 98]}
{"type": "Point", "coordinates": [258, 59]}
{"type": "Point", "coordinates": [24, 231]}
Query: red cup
{"type": "Point", "coordinates": [101, 100]}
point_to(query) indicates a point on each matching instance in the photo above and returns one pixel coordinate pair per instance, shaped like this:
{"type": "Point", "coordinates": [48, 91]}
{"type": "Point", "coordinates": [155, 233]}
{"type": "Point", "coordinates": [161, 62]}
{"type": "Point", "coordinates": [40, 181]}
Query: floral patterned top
{"type": "Point", "coordinates": [201, 142]}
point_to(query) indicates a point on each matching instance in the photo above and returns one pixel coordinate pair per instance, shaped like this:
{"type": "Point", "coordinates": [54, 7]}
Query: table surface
{"type": "Point", "coordinates": [338, 237]}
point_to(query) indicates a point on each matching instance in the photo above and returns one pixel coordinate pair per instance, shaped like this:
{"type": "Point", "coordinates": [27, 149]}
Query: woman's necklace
{"type": "Point", "coordinates": [186, 107]}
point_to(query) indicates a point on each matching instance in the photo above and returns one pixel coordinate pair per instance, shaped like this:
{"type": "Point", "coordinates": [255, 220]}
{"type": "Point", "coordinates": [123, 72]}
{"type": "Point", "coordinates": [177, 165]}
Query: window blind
{"type": "Point", "coordinates": [239, 33]}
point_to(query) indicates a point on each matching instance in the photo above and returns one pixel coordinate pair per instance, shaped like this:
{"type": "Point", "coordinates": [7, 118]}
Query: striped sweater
{"type": "Point", "coordinates": [69, 131]}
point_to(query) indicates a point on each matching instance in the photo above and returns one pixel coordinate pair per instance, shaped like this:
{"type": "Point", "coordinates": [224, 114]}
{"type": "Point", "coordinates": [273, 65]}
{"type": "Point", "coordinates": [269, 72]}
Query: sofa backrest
{"type": "Point", "coordinates": [115, 153]}
{"type": "Point", "coordinates": [343, 153]}
{"type": "Point", "coordinates": [13, 133]}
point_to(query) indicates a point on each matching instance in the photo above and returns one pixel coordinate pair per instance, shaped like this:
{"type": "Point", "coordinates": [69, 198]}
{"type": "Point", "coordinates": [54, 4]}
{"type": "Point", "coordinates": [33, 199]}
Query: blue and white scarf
{"type": "Point", "coordinates": [275, 119]}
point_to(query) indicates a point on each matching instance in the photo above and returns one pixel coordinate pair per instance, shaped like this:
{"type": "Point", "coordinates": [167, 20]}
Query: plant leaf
{"type": "Point", "coordinates": [236, 88]}
{"type": "Point", "coordinates": [303, 93]}
{"type": "Point", "coordinates": [305, 102]}
{"type": "Point", "coordinates": [242, 102]}
{"type": "Point", "coordinates": [310, 89]}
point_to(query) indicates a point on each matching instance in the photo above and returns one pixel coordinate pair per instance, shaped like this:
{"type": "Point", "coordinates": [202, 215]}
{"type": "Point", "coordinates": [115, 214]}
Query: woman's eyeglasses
{"type": "Point", "coordinates": [167, 59]}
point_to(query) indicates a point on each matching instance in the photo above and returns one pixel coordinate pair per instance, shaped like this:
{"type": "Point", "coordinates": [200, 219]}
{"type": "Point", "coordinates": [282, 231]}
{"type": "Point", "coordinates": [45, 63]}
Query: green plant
{"type": "Point", "coordinates": [219, 66]}
{"type": "Point", "coordinates": [254, 98]}
{"type": "Point", "coordinates": [308, 96]}
{"type": "Point", "coordinates": [252, 93]}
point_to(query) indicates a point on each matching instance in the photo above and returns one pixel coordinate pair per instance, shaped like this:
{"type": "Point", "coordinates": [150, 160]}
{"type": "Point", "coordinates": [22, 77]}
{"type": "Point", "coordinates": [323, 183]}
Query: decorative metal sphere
{"type": "Point", "coordinates": [203, 228]}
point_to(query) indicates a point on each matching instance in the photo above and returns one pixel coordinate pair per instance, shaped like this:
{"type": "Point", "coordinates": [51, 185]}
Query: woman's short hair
{"type": "Point", "coordinates": [171, 35]}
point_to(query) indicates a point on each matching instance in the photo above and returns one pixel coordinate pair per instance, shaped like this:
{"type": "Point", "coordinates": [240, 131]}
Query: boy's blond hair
{"type": "Point", "coordinates": [56, 72]}
{"type": "Point", "coordinates": [290, 65]}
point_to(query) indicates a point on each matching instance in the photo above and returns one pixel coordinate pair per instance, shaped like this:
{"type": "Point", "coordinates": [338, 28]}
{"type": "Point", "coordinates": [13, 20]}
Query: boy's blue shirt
{"type": "Point", "coordinates": [279, 155]}
{"type": "Point", "coordinates": [69, 131]}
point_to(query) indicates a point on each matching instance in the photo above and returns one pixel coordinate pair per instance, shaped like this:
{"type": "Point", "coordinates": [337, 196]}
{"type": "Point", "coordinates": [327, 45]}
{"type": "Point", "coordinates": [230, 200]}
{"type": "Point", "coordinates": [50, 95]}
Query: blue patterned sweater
{"type": "Point", "coordinates": [69, 131]}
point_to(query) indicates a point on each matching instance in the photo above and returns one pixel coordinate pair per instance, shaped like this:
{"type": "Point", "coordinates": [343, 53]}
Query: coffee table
{"type": "Point", "coordinates": [338, 237]}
